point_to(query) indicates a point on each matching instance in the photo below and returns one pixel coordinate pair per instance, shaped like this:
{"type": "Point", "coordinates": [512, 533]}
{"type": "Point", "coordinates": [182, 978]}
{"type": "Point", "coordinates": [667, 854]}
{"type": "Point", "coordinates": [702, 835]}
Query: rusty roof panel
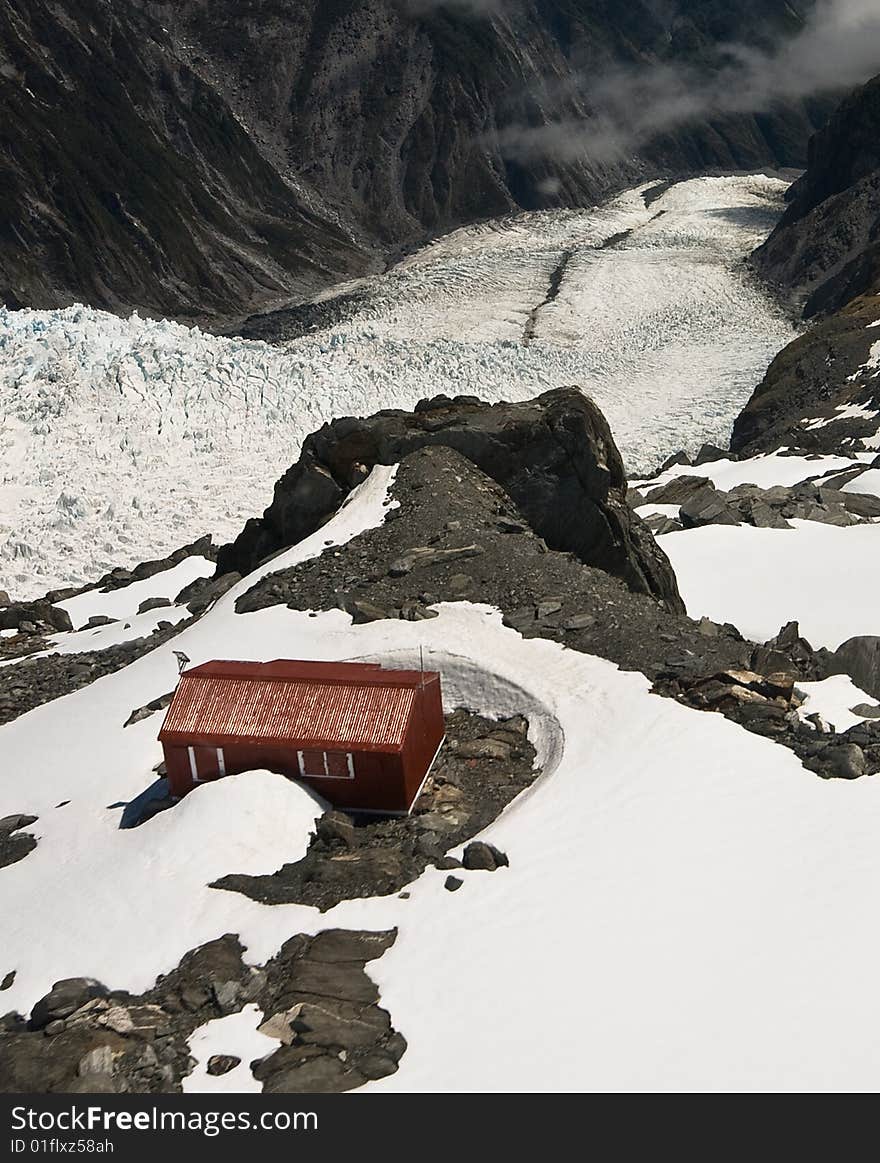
{"type": "Point", "coordinates": [260, 707]}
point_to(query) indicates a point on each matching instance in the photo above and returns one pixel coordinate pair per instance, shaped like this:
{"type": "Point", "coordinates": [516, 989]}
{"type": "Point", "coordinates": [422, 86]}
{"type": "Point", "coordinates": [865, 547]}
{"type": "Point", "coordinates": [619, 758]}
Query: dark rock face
{"type": "Point", "coordinates": [824, 258]}
{"type": "Point", "coordinates": [316, 996]}
{"type": "Point", "coordinates": [208, 159]}
{"type": "Point", "coordinates": [554, 456]}
{"type": "Point", "coordinates": [860, 659]}
{"type": "Point", "coordinates": [812, 377]}
{"type": "Point", "coordinates": [129, 182]}
{"type": "Point", "coordinates": [826, 250]}
{"type": "Point", "coordinates": [15, 844]}
{"type": "Point", "coordinates": [445, 500]}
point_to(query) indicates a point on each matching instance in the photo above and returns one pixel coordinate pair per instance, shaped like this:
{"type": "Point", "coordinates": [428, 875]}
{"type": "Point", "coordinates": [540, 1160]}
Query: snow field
{"type": "Point", "coordinates": [681, 897]}
{"type": "Point", "coordinates": [833, 699]}
{"type": "Point", "coordinates": [822, 576]}
{"type": "Point", "coordinates": [235, 1034]}
{"type": "Point", "coordinates": [758, 579]}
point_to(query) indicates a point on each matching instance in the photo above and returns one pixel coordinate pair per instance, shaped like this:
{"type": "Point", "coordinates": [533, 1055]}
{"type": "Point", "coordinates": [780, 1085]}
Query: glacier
{"type": "Point", "coordinates": [122, 439]}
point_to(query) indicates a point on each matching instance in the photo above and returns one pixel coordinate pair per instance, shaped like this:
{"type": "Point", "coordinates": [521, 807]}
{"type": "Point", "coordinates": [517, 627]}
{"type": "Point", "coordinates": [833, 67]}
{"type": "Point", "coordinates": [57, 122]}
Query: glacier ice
{"type": "Point", "coordinates": [156, 433]}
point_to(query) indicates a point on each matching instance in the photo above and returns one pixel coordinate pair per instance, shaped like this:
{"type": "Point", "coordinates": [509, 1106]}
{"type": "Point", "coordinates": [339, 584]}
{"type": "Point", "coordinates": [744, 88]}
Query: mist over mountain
{"type": "Point", "coordinates": [204, 160]}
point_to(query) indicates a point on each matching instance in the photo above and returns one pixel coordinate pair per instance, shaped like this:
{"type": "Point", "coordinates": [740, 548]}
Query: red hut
{"type": "Point", "coordinates": [364, 737]}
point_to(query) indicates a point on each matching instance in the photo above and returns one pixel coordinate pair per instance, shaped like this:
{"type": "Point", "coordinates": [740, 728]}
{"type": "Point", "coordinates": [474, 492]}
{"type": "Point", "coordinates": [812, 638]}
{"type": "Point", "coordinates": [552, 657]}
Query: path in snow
{"type": "Point", "coordinates": [122, 439]}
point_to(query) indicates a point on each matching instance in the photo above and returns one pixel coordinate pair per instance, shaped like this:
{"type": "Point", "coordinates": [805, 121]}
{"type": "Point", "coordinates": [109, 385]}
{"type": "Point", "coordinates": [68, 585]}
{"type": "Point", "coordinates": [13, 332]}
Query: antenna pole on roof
{"type": "Point", "coordinates": [421, 666]}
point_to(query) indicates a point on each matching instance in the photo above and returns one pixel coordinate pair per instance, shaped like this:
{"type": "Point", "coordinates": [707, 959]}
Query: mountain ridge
{"type": "Point", "coordinates": [216, 162]}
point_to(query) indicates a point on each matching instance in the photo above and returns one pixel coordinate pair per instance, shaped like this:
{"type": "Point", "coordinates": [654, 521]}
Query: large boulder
{"type": "Point", "coordinates": [860, 659]}
{"type": "Point", "coordinates": [65, 998]}
{"type": "Point", "coordinates": [19, 614]}
{"type": "Point", "coordinates": [554, 456]}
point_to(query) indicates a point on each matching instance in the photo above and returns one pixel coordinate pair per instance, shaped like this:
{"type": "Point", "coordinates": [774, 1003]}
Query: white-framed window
{"type": "Point", "coordinates": [325, 764]}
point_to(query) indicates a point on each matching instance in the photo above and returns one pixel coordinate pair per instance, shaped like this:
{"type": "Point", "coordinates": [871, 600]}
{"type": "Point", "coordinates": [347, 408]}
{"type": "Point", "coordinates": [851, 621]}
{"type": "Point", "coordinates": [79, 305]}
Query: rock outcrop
{"type": "Point", "coordinates": [317, 1000]}
{"type": "Point", "coordinates": [482, 767]}
{"type": "Point", "coordinates": [822, 392]}
{"type": "Point", "coordinates": [826, 250]}
{"type": "Point", "coordinates": [820, 499]}
{"type": "Point", "coordinates": [554, 456]}
{"type": "Point", "coordinates": [444, 500]}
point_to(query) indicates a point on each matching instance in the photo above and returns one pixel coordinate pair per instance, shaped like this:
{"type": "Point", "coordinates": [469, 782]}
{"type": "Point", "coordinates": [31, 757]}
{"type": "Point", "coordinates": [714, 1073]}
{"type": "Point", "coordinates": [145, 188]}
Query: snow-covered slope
{"type": "Point", "coordinates": [123, 439]}
{"type": "Point", "coordinates": [759, 579]}
{"type": "Point", "coordinates": [682, 902]}
{"type": "Point", "coordinates": [822, 576]}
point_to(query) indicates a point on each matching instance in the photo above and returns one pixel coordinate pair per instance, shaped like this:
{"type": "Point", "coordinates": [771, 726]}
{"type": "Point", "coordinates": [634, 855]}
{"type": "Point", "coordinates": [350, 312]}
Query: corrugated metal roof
{"type": "Point", "coordinates": [262, 705]}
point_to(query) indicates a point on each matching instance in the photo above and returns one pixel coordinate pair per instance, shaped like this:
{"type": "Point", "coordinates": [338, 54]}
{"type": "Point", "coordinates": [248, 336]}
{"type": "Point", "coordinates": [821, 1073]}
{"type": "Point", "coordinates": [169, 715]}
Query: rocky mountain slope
{"type": "Point", "coordinates": [129, 182]}
{"type": "Point", "coordinates": [202, 160]}
{"type": "Point", "coordinates": [825, 252]}
{"type": "Point", "coordinates": [822, 392]}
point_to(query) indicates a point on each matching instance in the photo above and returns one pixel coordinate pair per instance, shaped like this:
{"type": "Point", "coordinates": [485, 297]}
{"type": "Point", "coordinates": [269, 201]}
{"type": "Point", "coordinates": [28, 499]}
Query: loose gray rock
{"type": "Point", "coordinates": [860, 659]}
{"type": "Point", "coordinates": [867, 710]}
{"type": "Point", "coordinates": [221, 1064]}
{"type": "Point", "coordinates": [423, 556]}
{"type": "Point", "coordinates": [862, 504]}
{"type": "Point", "coordinates": [579, 622]}
{"type": "Point", "coordinates": [484, 749]}
{"type": "Point", "coordinates": [363, 611]}
{"type": "Point", "coordinates": [845, 761]}
{"type": "Point", "coordinates": [484, 857]}
{"type": "Point", "coordinates": [708, 506]}
{"type": "Point", "coordinates": [64, 998]}
{"type": "Point", "coordinates": [337, 826]}
{"type": "Point", "coordinates": [546, 608]}
{"type": "Point", "coordinates": [203, 592]}
{"type": "Point", "coordinates": [153, 604]}
{"type": "Point", "coordinates": [26, 616]}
